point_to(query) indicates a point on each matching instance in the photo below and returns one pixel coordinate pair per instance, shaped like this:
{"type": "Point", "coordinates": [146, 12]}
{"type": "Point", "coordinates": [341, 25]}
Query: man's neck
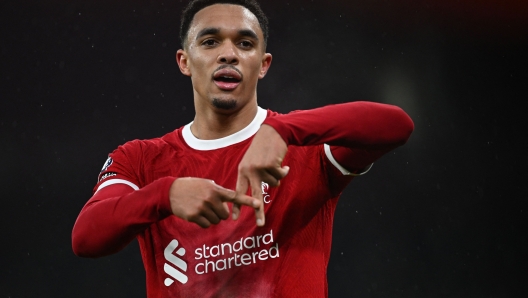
{"type": "Point", "coordinates": [210, 124]}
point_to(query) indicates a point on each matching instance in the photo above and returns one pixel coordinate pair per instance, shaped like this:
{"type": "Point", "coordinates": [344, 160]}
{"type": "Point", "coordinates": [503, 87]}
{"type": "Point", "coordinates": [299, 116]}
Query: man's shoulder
{"type": "Point", "coordinates": [169, 140]}
{"type": "Point", "coordinates": [272, 113]}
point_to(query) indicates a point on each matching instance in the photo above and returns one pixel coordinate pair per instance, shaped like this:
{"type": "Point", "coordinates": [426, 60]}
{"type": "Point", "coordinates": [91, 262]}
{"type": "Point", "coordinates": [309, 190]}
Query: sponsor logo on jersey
{"type": "Point", "coordinates": [106, 175]}
{"type": "Point", "coordinates": [107, 163]}
{"type": "Point", "coordinates": [243, 252]}
{"type": "Point", "coordinates": [176, 261]}
{"type": "Point", "coordinates": [224, 256]}
{"type": "Point", "coordinates": [265, 194]}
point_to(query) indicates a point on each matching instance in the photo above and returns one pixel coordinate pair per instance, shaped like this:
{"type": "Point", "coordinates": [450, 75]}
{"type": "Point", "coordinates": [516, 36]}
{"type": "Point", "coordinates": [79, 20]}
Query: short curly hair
{"type": "Point", "coordinates": [195, 6]}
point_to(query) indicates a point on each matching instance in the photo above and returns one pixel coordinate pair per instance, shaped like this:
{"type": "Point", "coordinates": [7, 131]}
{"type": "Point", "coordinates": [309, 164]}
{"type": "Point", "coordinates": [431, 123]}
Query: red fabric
{"type": "Point", "coordinates": [360, 132]}
{"type": "Point", "coordinates": [299, 213]}
{"type": "Point", "coordinates": [115, 215]}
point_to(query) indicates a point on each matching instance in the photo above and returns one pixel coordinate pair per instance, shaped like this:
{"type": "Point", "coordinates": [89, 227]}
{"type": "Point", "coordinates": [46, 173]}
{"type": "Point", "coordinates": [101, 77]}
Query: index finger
{"type": "Point", "coordinates": [256, 191]}
{"type": "Point", "coordinates": [241, 187]}
{"type": "Point", "coordinates": [228, 195]}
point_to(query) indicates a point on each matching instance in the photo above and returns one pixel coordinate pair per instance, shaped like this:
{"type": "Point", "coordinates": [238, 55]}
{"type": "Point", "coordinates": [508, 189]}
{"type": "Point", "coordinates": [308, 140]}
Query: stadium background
{"type": "Point", "coordinates": [443, 216]}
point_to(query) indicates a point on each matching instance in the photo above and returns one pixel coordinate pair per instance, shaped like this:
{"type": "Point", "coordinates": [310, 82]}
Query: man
{"type": "Point", "coordinates": [290, 169]}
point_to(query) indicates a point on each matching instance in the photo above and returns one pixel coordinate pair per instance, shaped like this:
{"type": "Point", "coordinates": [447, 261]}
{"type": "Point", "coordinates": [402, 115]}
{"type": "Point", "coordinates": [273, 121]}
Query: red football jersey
{"type": "Point", "coordinates": [287, 257]}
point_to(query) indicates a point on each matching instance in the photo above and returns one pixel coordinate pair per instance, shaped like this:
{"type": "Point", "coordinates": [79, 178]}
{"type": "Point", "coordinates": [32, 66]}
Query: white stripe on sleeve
{"type": "Point", "coordinates": [343, 171]}
{"type": "Point", "coordinates": [116, 181]}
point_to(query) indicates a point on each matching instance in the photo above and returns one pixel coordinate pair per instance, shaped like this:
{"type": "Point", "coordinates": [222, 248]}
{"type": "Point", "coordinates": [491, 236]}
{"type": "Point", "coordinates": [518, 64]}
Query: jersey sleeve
{"type": "Point", "coordinates": [120, 167]}
{"type": "Point", "coordinates": [337, 174]}
{"type": "Point", "coordinates": [355, 125]}
{"type": "Point", "coordinates": [359, 171]}
{"type": "Point", "coordinates": [123, 204]}
{"type": "Point", "coordinates": [354, 134]}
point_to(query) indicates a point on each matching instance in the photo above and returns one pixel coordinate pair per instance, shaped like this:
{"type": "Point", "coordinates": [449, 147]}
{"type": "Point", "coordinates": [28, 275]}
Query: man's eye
{"type": "Point", "coordinates": [246, 44]}
{"type": "Point", "coordinates": [209, 42]}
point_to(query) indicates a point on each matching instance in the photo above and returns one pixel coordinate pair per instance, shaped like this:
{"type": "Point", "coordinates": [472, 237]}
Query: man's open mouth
{"type": "Point", "coordinates": [227, 78]}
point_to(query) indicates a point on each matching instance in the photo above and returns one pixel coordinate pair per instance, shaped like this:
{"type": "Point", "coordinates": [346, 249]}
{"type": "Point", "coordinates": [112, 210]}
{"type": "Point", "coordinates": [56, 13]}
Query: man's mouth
{"type": "Point", "coordinates": [227, 78]}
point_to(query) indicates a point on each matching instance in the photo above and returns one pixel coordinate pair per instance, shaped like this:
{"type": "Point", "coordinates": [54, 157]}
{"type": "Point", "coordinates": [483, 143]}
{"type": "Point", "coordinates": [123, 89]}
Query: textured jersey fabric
{"type": "Point", "coordinates": [285, 258]}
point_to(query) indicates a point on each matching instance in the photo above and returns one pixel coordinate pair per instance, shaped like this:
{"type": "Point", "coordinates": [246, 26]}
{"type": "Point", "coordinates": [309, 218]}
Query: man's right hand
{"type": "Point", "coordinates": [204, 202]}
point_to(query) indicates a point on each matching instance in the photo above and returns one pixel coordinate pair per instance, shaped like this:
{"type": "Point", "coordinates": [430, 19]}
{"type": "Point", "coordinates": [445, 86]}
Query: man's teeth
{"type": "Point", "coordinates": [227, 78]}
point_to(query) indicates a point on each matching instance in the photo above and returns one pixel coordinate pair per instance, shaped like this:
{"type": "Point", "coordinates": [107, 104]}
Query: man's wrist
{"type": "Point", "coordinates": [279, 127]}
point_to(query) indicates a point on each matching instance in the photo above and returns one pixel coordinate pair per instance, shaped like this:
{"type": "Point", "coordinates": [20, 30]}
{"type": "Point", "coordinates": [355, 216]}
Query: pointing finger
{"type": "Point", "coordinates": [228, 195]}
{"type": "Point", "coordinates": [256, 192]}
{"type": "Point", "coordinates": [241, 188]}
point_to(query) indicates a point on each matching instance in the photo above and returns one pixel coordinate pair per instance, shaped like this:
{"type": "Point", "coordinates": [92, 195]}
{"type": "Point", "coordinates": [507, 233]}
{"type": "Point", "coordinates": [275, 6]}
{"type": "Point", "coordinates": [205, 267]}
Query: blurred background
{"type": "Point", "coordinates": [443, 216]}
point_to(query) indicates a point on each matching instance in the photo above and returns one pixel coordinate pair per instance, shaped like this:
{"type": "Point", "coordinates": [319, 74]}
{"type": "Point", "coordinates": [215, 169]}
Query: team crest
{"type": "Point", "coordinates": [265, 194]}
{"type": "Point", "coordinates": [107, 163]}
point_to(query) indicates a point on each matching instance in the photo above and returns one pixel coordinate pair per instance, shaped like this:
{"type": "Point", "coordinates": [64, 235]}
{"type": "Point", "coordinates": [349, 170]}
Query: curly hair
{"type": "Point", "coordinates": [195, 6]}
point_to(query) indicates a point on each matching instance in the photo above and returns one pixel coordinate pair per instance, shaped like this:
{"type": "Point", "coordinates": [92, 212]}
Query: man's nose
{"type": "Point", "coordinates": [228, 54]}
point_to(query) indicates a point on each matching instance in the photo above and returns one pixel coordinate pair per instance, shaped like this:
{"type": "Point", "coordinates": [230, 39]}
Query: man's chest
{"type": "Point", "coordinates": [218, 165]}
{"type": "Point", "coordinates": [188, 255]}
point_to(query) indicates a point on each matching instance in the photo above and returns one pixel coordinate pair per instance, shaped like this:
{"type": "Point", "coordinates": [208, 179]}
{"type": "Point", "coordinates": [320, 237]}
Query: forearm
{"type": "Point", "coordinates": [115, 215]}
{"type": "Point", "coordinates": [359, 132]}
{"type": "Point", "coordinates": [355, 125]}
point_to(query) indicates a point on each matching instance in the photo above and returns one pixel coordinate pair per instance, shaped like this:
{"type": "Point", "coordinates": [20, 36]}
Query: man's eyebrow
{"type": "Point", "coordinates": [212, 31]}
{"type": "Point", "coordinates": [248, 33]}
{"type": "Point", "coordinates": [207, 31]}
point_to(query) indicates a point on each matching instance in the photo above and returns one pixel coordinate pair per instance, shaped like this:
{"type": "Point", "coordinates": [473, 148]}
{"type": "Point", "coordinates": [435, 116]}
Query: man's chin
{"type": "Point", "coordinates": [224, 104]}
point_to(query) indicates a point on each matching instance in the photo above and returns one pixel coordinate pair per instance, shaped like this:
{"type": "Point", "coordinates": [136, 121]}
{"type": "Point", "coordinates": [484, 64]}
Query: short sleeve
{"type": "Point", "coordinates": [119, 167]}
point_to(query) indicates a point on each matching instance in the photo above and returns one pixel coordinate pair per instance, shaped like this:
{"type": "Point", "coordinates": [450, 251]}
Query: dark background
{"type": "Point", "coordinates": [442, 216]}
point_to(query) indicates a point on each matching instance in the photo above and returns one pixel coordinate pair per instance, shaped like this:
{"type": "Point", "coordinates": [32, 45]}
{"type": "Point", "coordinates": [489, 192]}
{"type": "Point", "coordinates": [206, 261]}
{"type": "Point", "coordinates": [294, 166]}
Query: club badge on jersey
{"type": "Point", "coordinates": [107, 163]}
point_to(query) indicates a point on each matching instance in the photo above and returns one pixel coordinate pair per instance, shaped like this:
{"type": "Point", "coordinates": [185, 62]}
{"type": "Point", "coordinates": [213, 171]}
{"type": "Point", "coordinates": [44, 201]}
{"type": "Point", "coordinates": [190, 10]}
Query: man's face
{"type": "Point", "coordinates": [224, 56]}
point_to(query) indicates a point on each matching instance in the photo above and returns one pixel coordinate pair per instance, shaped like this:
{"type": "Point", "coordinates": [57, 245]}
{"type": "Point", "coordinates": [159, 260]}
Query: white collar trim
{"type": "Point", "coordinates": [235, 138]}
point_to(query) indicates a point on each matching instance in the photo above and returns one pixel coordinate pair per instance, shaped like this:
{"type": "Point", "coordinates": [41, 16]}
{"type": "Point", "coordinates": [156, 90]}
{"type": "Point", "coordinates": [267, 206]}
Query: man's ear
{"type": "Point", "coordinates": [265, 65]}
{"type": "Point", "coordinates": [183, 62]}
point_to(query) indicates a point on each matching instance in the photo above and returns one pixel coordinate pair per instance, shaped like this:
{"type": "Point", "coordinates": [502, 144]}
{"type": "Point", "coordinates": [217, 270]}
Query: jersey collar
{"type": "Point", "coordinates": [235, 138]}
